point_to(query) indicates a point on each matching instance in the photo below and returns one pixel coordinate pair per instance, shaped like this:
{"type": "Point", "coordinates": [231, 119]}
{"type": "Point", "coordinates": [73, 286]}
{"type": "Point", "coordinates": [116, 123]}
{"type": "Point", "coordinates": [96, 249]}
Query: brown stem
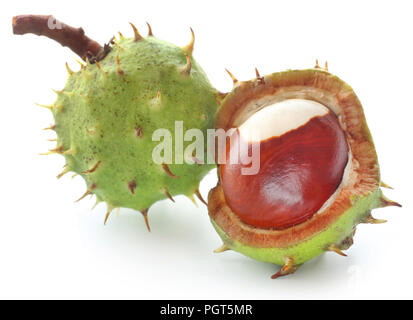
{"type": "Point", "coordinates": [73, 38]}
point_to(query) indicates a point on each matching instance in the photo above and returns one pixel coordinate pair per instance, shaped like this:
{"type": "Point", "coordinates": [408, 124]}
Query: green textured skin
{"type": "Point", "coordinates": [97, 115]}
{"type": "Point", "coordinates": [316, 245]}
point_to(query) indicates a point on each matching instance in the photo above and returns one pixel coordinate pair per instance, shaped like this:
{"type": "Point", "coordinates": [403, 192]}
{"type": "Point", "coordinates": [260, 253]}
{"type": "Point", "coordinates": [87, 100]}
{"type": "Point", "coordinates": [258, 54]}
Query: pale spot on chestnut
{"type": "Point", "coordinates": [280, 117]}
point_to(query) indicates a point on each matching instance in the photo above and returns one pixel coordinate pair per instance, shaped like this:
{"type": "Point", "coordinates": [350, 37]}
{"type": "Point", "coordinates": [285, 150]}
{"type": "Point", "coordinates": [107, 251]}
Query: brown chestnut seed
{"type": "Point", "coordinates": [303, 154]}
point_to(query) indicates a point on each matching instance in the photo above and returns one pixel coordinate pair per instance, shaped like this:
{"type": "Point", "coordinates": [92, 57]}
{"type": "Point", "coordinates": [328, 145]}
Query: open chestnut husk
{"type": "Point", "coordinates": [318, 175]}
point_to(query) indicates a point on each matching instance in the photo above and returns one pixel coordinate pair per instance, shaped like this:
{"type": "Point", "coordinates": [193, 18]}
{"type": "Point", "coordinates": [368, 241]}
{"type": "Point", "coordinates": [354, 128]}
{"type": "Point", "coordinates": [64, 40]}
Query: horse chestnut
{"type": "Point", "coordinates": [317, 177]}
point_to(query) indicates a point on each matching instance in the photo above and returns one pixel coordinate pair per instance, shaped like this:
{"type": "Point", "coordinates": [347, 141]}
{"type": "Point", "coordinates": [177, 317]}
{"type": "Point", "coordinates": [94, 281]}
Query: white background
{"type": "Point", "coordinates": [53, 248]}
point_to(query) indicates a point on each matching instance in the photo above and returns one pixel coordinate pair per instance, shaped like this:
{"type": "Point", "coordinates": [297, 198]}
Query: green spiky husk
{"type": "Point", "coordinates": [99, 111]}
{"type": "Point", "coordinates": [316, 245]}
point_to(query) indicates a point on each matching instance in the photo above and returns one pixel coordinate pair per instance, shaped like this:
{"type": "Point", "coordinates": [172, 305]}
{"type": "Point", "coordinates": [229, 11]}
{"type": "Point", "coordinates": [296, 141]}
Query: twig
{"type": "Point", "coordinates": [73, 38]}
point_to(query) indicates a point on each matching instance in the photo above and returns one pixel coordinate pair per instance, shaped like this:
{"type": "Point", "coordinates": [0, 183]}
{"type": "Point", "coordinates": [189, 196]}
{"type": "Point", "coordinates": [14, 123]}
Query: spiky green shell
{"type": "Point", "coordinates": [107, 112]}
